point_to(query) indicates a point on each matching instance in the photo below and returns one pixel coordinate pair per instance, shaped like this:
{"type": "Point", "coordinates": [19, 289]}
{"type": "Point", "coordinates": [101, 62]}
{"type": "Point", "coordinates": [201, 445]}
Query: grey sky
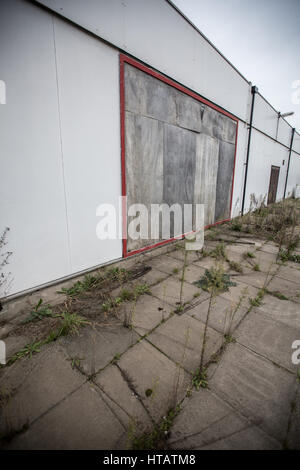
{"type": "Point", "coordinates": [260, 37]}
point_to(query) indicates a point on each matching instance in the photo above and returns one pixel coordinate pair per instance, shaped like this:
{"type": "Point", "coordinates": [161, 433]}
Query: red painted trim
{"type": "Point", "coordinates": [162, 78]}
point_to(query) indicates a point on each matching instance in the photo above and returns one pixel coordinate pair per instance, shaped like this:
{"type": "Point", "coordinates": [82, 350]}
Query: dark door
{"type": "Point", "coordinates": [273, 184]}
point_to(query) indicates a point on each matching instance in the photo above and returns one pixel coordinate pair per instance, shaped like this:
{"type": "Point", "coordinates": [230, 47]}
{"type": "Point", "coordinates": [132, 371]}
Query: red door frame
{"type": "Point", "coordinates": [125, 59]}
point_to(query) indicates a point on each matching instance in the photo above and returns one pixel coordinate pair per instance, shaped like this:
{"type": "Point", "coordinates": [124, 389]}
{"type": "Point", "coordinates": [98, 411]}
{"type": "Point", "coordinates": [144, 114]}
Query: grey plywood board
{"type": "Point", "coordinates": [144, 164]}
{"type": "Point", "coordinates": [218, 125]}
{"type": "Point", "coordinates": [146, 95]}
{"type": "Point", "coordinates": [224, 180]}
{"type": "Point", "coordinates": [206, 171]}
{"type": "Point", "coordinates": [179, 165]}
{"type": "Point", "coordinates": [189, 112]}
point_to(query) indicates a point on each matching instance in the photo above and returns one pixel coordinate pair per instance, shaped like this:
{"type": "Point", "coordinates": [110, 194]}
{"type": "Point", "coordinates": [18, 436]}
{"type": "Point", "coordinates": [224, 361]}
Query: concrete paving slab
{"type": "Point", "coordinates": [13, 344]}
{"type": "Point", "coordinates": [266, 261]}
{"type": "Point", "coordinates": [36, 386]}
{"type": "Point", "coordinates": [288, 288]}
{"type": "Point", "coordinates": [253, 278]}
{"type": "Point", "coordinates": [169, 291]}
{"type": "Point", "coordinates": [293, 435]}
{"type": "Point", "coordinates": [81, 421]}
{"type": "Point", "coordinates": [206, 421]}
{"type": "Point", "coordinates": [269, 338]}
{"type": "Point", "coordinates": [181, 337]}
{"type": "Point", "coordinates": [261, 390]}
{"type": "Point", "coordinates": [122, 400]}
{"type": "Point", "coordinates": [241, 248]}
{"type": "Point", "coordinates": [240, 290]}
{"type": "Point", "coordinates": [207, 262]}
{"type": "Point", "coordinates": [192, 273]}
{"type": "Point", "coordinates": [246, 439]}
{"type": "Point", "coordinates": [285, 311]}
{"type": "Point", "coordinates": [151, 277]}
{"type": "Point", "coordinates": [191, 255]}
{"type": "Point", "coordinates": [270, 248]}
{"type": "Point", "coordinates": [293, 265]}
{"type": "Point", "coordinates": [145, 368]}
{"type": "Point", "coordinates": [166, 264]}
{"type": "Point", "coordinates": [222, 311]}
{"type": "Point", "coordinates": [290, 274]}
{"type": "Point", "coordinates": [146, 313]}
{"type": "Point", "coordinates": [5, 329]}
{"type": "Point", "coordinates": [95, 348]}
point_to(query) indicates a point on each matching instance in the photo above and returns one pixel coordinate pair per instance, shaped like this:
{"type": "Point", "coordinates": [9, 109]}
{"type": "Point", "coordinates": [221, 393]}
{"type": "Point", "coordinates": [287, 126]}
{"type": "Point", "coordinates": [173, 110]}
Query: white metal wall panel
{"type": "Point", "coordinates": [157, 34]}
{"type": "Point", "coordinates": [284, 133]}
{"type": "Point", "coordinates": [265, 118]}
{"type": "Point", "coordinates": [31, 176]}
{"type": "Point", "coordinates": [88, 82]}
{"type": "Point", "coordinates": [264, 153]}
{"type": "Point", "coordinates": [296, 143]}
{"type": "Point", "coordinates": [294, 174]}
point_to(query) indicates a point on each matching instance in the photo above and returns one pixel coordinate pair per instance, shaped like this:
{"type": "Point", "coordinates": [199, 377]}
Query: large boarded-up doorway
{"type": "Point", "coordinates": [177, 149]}
{"type": "Point", "coordinates": [274, 176]}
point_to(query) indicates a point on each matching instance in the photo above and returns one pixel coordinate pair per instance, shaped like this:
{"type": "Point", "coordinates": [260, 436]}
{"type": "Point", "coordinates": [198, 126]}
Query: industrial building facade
{"type": "Point", "coordinates": [112, 98]}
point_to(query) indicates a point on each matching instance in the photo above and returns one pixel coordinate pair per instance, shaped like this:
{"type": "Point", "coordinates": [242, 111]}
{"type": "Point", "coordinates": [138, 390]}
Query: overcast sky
{"type": "Point", "coordinates": [262, 40]}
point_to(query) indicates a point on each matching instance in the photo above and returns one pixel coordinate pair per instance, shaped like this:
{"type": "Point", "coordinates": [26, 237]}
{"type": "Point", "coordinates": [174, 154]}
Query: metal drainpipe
{"type": "Point", "coordinates": [254, 90]}
{"type": "Point", "coordinates": [288, 167]}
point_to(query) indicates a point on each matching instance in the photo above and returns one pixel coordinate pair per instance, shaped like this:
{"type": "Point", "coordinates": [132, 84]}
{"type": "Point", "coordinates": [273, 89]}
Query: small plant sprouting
{"type": "Point", "coordinates": [278, 294]}
{"type": "Point", "coordinates": [236, 225]}
{"type": "Point", "coordinates": [231, 313]}
{"type": "Point", "coordinates": [256, 267]}
{"type": "Point", "coordinates": [116, 358]}
{"type": "Point", "coordinates": [199, 379]}
{"type": "Point", "coordinates": [215, 279]}
{"type": "Point", "coordinates": [70, 323]}
{"type": "Point", "coordinates": [219, 253]}
{"type": "Point", "coordinates": [156, 438]}
{"type": "Point", "coordinates": [182, 278]}
{"type": "Point", "coordinates": [27, 351]}
{"type": "Point", "coordinates": [257, 301]}
{"type": "Point", "coordinates": [79, 287]}
{"type": "Point", "coordinates": [235, 266]}
{"type": "Point", "coordinates": [39, 312]}
{"type": "Point", "coordinates": [284, 255]}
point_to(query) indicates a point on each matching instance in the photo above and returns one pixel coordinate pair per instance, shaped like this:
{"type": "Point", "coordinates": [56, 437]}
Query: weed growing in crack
{"type": "Point", "coordinates": [214, 281]}
{"type": "Point", "coordinates": [182, 277]}
{"type": "Point", "coordinates": [219, 253]}
{"type": "Point", "coordinates": [27, 351]}
{"type": "Point", "coordinates": [257, 301]}
{"type": "Point", "coordinates": [179, 367]}
{"type": "Point", "coordinates": [231, 314]}
{"type": "Point", "coordinates": [235, 266]}
{"type": "Point", "coordinates": [157, 437]}
{"type": "Point", "coordinates": [70, 323]}
{"type": "Point", "coordinates": [39, 312]}
{"type": "Point", "coordinates": [88, 283]}
{"type": "Point", "coordinates": [199, 379]}
{"type": "Point", "coordinates": [277, 294]}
